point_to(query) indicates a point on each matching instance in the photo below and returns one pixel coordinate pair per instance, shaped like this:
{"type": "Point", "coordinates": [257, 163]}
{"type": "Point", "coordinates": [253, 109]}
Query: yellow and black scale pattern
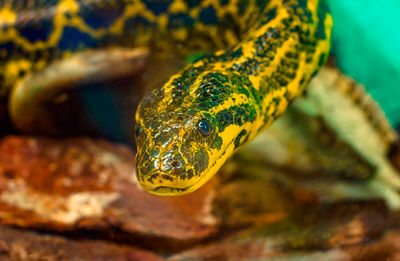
{"type": "Point", "coordinates": [188, 128]}
{"type": "Point", "coordinates": [266, 53]}
{"type": "Point", "coordinates": [34, 33]}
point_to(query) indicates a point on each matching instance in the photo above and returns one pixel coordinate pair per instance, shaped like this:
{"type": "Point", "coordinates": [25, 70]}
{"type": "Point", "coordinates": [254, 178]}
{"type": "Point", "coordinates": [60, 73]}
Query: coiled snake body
{"type": "Point", "coordinates": [266, 53]}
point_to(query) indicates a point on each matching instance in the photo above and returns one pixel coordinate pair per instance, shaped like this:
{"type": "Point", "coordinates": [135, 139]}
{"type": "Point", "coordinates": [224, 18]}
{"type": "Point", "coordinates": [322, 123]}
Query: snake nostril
{"type": "Point", "coordinates": [173, 162]}
{"type": "Point", "coordinates": [176, 164]}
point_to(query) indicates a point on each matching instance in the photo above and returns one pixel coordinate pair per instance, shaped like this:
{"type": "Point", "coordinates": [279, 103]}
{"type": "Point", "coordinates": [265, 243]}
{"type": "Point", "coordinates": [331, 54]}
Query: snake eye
{"type": "Point", "coordinates": [204, 127]}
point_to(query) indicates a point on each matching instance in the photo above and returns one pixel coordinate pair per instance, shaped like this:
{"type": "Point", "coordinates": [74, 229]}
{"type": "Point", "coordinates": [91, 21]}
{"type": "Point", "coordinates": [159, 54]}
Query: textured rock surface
{"type": "Point", "coordinates": [25, 245]}
{"type": "Point", "coordinates": [325, 232]}
{"type": "Point", "coordinates": [82, 184]}
{"type": "Point", "coordinates": [77, 199]}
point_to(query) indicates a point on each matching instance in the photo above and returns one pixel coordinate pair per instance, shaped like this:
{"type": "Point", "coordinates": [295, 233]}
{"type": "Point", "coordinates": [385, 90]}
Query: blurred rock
{"type": "Point", "coordinates": [76, 185]}
{"type": "Point", "coordinates": [394, 156]}
{"type": "Point", "coordinates": [252, 202]}
{"type": "Point", "coordinates": [322, 232]}
{"type": "Point", "coordinates": [24, 245]}
{"type": "Point", "coordinates": [387, 248]}
{"type": "Point", "coordinates": [255, 251]}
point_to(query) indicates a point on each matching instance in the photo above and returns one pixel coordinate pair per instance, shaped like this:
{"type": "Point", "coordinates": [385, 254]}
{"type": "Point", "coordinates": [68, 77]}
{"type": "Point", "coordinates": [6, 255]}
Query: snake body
{"type": "Point", "coordinates": [36, 33]}
{"type": "Point", "coordinates": [266, 52]}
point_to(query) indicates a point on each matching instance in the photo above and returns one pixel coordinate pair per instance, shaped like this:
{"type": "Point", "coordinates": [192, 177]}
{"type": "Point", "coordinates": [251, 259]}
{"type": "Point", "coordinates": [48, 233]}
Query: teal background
{"type": "Point", "coordinates": [366, 44]}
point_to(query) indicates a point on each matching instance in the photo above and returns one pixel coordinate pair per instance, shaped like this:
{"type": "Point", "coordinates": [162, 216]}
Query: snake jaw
{"type": "Point", "coordinates": [163, 184]}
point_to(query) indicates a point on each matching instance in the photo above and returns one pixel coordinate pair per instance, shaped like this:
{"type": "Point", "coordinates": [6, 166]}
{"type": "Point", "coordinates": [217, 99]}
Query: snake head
{"type": "Point", "coordinates": [180, 128]}
{"type": "Point", "coordinates": [174, 146]}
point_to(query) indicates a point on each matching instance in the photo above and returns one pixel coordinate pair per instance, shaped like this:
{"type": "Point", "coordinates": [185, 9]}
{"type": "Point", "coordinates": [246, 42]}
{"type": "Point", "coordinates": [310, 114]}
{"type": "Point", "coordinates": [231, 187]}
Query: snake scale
{"type": "Point", "coordinates": [265, 52]}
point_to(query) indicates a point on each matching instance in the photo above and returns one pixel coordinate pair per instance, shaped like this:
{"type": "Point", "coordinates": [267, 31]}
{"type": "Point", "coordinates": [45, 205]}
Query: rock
{"type": "Point", "coordinates": [25, 245]}
{"type": "Point", "coordinates": [252, 202]}
{"type": "Point", "coordinates": [387, 248]}
{"type": "Point", "coordinates": [76, 185]}
{"type": "Point", "coordinates": [316, 232]}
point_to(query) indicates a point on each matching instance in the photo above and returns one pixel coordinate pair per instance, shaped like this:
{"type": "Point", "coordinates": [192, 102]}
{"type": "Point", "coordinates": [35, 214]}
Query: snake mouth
{"type": "Point", "coordinates": [168, 191]}
{"type": "Point", "coordinates": [164, 184]}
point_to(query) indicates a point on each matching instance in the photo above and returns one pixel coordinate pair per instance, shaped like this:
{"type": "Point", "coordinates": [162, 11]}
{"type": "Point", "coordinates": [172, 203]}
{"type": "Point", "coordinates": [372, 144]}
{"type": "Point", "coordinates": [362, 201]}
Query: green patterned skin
{"type": "Point", "coordinates": [265, 53]}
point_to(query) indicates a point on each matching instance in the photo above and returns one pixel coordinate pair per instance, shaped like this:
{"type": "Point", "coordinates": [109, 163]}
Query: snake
{"type": "Point", "coordinates": [261, 55]}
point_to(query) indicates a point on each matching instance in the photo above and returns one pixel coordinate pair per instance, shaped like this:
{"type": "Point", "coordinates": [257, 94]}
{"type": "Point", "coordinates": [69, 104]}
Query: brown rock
{"type": "Point", "coordinates": [256, 250]}
{"type": "Point", "coordinates": [337, 224]}
{"type": "Point", "coordinates": [318, 232]}
{"type": "Point", "coordinates": [394, 155]}
{"type": "Point", "coordinates": [81, 184]}
{"type": "Point", "coordinates": [387, 248]}
{"type": "Point", "coordinates": [24, 245]}
{"type": "Point", "coordinates": [252, 202]}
